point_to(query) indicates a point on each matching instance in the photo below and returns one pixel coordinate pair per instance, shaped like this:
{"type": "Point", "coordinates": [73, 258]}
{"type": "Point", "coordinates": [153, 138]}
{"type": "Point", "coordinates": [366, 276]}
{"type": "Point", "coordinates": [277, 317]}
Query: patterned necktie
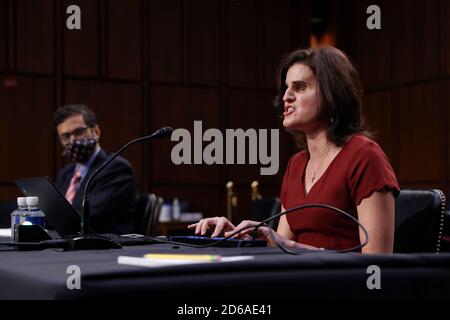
{"type": "Point", "coordinates": [73, 187]}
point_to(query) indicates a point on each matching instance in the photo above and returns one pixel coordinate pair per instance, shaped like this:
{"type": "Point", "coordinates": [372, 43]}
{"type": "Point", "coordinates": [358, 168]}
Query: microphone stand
{"type": "Point", "coordinates": [88, 241]}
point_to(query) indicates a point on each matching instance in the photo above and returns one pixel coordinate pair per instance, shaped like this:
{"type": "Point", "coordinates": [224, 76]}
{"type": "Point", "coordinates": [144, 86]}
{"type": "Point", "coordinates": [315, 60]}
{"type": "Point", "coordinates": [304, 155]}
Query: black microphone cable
{"type": "Point", "coordinates": [334, 209]}
{"type": "Point", "coordinates": [279, 245]}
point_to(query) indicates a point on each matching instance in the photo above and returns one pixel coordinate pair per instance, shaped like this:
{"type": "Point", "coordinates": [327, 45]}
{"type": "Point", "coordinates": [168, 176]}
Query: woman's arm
{"type": "Point", "coordinates": [377, 214]}
{"type": "Point", "coordinates": [287, 237]}
{"type": "Point", "coordinates": [283, 227]}
{"type": "Point", "coordinates": [283, 236]}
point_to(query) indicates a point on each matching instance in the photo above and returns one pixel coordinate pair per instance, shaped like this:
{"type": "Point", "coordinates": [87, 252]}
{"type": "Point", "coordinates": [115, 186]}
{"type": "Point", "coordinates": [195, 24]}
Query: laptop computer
{"type": "Point", "coordinates": [59, 213]}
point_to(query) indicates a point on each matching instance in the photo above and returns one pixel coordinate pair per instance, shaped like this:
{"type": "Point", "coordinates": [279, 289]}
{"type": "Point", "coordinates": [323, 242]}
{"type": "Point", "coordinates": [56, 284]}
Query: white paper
{"type": "Point", "coordinates": [149, 262]}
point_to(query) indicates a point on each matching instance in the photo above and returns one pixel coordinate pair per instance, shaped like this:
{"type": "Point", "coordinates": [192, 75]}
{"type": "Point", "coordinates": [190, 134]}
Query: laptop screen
{"type": "Point", "coordinates": [59, 213]}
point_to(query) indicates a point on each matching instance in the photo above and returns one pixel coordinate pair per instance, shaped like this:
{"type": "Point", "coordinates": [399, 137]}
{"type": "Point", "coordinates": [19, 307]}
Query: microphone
{"type": "Point", "coordinates": [161, 133]}
{"type": "Point", "coordinates": [86, 241]}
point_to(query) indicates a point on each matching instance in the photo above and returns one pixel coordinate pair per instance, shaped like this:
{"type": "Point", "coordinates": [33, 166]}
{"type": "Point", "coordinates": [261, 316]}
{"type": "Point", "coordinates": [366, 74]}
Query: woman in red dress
{"type": "Point", "coordinates": [339, 165]}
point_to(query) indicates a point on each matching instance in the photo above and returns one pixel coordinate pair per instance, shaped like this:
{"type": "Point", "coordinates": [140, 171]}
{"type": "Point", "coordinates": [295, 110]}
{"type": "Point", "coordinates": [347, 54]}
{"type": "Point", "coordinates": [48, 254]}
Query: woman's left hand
{"type": "Point", "coordinates": [263, 232]}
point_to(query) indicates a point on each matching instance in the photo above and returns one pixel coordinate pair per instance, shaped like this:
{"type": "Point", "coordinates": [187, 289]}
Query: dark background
{"type": "Point", "coordinates": [145, 64]}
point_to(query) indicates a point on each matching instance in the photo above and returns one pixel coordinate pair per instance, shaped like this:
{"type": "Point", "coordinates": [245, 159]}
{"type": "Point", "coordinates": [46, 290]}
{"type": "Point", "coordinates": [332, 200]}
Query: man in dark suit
{"type": "Point", "coordinates": [112, 192]}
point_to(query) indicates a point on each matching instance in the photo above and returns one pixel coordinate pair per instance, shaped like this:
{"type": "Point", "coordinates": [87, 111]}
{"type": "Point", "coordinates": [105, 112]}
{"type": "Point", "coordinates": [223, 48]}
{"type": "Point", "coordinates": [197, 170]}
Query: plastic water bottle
{"type": "Point", "coordinates": [16, 214]}
{"type": "Point", "coordinates": [176, 211]}
{"type": "Point", "coordinates": [33, 214]}
{"type": "Point", "coordinates": [166, 213]}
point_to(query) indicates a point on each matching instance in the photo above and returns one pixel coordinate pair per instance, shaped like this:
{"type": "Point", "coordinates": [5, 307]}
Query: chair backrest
{"type": "Point", "coordinates": [264, 208]}
{"type": "Point", "coordinates": [419, 221]}
{"type": "Point", "coordinates": [445, 244]}
{"type": "Point", "coordinates": [152, 223]}
{"type": "Point", "coordinates": [143, 211]}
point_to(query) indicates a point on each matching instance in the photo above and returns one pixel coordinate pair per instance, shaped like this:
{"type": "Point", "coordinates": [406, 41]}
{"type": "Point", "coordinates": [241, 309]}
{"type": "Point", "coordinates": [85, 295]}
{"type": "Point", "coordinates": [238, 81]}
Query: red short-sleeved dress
{"type": "Point", "coordinates": [359, 169]}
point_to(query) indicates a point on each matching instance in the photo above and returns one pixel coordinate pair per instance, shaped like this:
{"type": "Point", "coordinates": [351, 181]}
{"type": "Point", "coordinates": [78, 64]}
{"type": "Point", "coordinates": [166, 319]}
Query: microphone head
{"type": "Point", "coordinates": [163, 132]}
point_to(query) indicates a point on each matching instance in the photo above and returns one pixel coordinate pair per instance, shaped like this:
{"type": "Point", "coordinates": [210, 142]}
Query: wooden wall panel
{"type": "Point", "coordinates": [204, 40]}
{"type": "Point", "coordinates": [166, 40]}
{"type": "Point", "coordinates": [118, 112]}
{"type": "Point", "coordinates": [445, 22]}
{"type": "Point", "coordinates": [81, 47]}
{"type": "Point", "coordinates": [445, 118]}
{"type": "Point", "coordinates": [405, 54]}
{"type": "Point", "coordinates": [379, 117]}
{"type": "Point", "coordinates": [243, 54]}
{"type": "Point", "coordinates": [278, 36]}
{"type": "Point", "coordinates": [419, 145]}
{"type": "Point", "coordinates": [371, 49]}
{"type": "Point", "coordinates": [428, 63]}
{"type": "Point", "coordinates": [354, 30]}
{"type": "Point", "coordinates": [416, 48]}
{"type": "Point", "coordinates": [243, 108]}
{"type": "Point", "coordinates": [3, 34]}
{"type": "Point", "coordinates": [401, 67]}
{"type": "Point", "coordinates": [178, 107]}
{"type": "Point", "coordinates": [124, 39]}
{"type": "Point", "coordinates": [35, 36]}
{"type": "Point", "coordinates": [8, 193]}
{"type": "Point", "coordinates": [26, 131]}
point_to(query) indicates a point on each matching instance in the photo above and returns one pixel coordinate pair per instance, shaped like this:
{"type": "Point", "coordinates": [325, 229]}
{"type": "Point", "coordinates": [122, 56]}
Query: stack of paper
{"type": "Point", "coordinates": [163, 260]}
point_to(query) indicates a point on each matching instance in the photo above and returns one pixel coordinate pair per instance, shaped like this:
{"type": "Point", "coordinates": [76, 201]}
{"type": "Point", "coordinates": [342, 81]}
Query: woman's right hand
{"type": "Point", "coordinates": [220, 225]}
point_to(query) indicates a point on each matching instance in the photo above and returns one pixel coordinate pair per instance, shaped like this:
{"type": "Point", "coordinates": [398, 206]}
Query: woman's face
{"type": "Point", "coordinates": [301, 100]}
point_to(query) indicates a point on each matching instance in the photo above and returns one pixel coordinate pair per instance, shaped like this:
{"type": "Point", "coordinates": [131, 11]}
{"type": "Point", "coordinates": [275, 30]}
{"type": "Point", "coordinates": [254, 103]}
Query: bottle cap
{"type": "Point", "coordinates": [32, 201]}
{"type": "Point", "coordinates": [21, 201]}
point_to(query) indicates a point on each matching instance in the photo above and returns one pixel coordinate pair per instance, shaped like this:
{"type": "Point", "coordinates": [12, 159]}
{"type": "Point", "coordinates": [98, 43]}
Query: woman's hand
{"type": "Point", "coordinates": [263, 232]}
{"type": "Point", "coordinates": [266, 233]}
{"type": "Point", "coordinates": [220, 224]}
{"type": "Point", "coordinates": [224, 227]}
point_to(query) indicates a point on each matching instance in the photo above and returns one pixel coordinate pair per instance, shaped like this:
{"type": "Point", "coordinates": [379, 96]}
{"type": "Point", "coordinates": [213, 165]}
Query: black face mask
{"type": "Point", "coordinates": [80, 150]}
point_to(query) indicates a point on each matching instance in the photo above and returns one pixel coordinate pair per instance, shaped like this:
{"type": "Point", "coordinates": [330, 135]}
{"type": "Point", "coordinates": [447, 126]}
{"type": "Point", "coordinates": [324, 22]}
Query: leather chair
{"type": "Point", "coordinates": [151, 224]}
{"type": "Point", "coordinates": [143, 208]}
{"type": "Point", "coordinates": [419, 221]}
{"type": "Point", "coordinates": [147, 210]}
{"type": "Point", "coordinates": [445, 244]}
{"type": "Point", "coordinates": [264, 208]}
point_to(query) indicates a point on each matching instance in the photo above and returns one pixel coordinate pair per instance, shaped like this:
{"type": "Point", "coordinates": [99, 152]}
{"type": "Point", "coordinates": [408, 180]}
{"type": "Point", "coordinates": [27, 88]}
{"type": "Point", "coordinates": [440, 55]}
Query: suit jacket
{"type": "Point", "coordinates": [112, 194]}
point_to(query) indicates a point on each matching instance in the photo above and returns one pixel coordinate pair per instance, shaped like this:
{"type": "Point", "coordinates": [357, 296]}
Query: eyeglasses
{"type": "Point", "coordinates": [76, 133]}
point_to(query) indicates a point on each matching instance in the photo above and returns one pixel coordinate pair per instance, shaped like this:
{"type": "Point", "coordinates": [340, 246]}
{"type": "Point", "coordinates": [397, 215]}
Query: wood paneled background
{"type": "Point", "coordinates": [406, 75]}
{"type": "Point", "coordinates": [145, 64]}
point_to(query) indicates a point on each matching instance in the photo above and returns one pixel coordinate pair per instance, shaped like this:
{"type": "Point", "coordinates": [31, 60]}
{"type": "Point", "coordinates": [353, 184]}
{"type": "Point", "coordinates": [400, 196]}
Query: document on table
{"type": "Point", "coordinates": [162, 260]}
